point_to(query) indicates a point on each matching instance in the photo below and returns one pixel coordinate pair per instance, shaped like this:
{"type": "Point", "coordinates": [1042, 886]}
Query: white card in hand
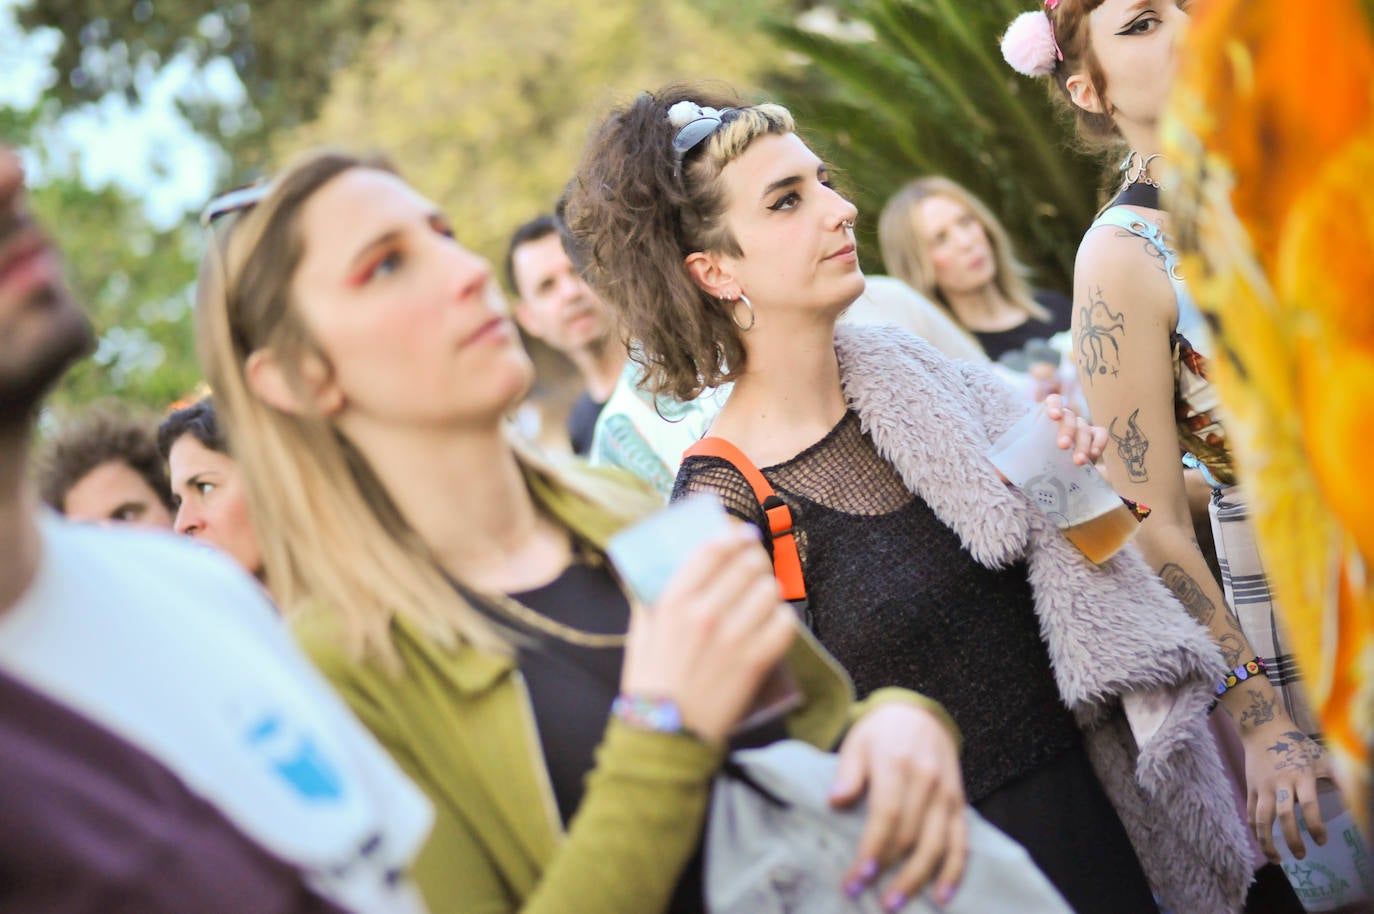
{"type": "Point", "coordinates": [648, 554]}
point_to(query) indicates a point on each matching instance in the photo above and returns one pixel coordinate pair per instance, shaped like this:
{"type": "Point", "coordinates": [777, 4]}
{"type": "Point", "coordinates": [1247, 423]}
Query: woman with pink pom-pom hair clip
{"type": "Point", "coordinates": [1142, 345]}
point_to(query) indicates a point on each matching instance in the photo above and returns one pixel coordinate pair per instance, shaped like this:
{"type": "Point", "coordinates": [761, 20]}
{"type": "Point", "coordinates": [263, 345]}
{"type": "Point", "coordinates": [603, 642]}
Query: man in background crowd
{"type": "Point", "coordinates": [105, 466]}
{"type": "Point", "coordinates": [556, 306]}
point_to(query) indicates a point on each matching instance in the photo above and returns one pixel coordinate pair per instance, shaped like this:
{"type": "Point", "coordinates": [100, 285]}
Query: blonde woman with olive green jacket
{"type": "Point", "coordinates": [460, 724]}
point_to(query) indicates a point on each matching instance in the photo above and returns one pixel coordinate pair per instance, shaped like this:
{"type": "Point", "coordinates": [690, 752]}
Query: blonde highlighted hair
{"type": "Point", "coordinates": [908, 258]}
{"type": "Point", "coordinates": [331, 537]}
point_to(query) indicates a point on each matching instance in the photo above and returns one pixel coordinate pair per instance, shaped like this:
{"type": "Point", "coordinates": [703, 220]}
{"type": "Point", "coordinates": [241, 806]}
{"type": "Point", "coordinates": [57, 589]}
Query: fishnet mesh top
{"type": "Point", "coordinates": [898, 601]}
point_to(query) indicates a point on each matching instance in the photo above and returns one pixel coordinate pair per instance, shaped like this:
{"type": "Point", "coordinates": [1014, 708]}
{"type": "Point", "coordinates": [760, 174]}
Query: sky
{"type": "Point", "coordinates": [149, 151]}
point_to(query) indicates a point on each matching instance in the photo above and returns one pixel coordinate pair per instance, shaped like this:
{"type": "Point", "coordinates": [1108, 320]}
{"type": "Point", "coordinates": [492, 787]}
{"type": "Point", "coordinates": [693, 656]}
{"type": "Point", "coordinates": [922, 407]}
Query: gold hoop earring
{"type": "Point", "coordinates": [747, 304]}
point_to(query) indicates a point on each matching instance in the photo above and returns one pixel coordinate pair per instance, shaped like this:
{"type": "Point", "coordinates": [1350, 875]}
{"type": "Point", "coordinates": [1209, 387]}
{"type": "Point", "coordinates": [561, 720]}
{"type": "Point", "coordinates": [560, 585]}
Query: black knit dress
{"type": "Point", "coordinates": [898, 601]}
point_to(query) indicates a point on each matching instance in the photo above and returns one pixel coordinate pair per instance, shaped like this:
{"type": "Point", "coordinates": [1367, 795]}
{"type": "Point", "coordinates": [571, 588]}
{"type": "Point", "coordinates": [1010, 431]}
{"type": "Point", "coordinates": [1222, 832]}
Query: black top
{"type": "Point", "coordinates": [571, 689]}
{"type": "Point", "coordinates": [582, 423]}
{"type": "Point", "coordinates": [94, 825]}
{"type": "Point", "coordinates": [997, 343]}
{"type": "Point", "coordinates": [899, 601]}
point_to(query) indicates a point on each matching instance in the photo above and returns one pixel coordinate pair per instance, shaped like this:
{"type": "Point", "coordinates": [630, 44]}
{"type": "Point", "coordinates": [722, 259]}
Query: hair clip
{"type": "Point", "coordinates": [694, 124]}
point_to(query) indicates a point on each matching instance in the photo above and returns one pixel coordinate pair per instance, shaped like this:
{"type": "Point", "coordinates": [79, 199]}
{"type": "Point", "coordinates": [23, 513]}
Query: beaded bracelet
{"type": "Point", "coordinates": [658, 713]}
{"type": "Point", "coordinates": [1235, 677]}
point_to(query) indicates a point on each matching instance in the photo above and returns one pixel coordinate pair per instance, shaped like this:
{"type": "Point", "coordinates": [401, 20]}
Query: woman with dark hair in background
{"type": "Point", "coordinates": [207, 489]}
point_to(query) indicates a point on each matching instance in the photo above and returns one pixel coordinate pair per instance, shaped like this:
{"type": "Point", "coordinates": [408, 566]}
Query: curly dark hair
{"type": "Point", "coordinates": [633, 216]}
{"type": "Point", "coordinates": [197, 420]}
{"type": "Point", "coordinates": [106, 432]}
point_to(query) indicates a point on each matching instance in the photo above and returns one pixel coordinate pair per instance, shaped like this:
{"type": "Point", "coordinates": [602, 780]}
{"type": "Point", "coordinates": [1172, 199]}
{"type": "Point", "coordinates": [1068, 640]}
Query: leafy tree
{"type": "Point", "coordinates": [135, 282]}
{"type": "Point", "coordinates": [918, 87]}
{"type": "Point", "coordinates": [283, 51]}
{"type": "Point", "coordinates": [133, 278]}
{"type": "Point", "coordinates": [485, 105]}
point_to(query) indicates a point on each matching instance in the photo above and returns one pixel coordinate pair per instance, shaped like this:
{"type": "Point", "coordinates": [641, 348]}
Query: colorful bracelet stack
{"type": "Point", "coordinates": [658, 713]}
{"type": "Point", "coordinates": [1235, 677]}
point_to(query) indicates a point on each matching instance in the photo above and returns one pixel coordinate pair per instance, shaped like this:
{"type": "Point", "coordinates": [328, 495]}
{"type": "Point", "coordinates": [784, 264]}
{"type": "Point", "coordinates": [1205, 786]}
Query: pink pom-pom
{"type": "Point", "coordinates": [1029, 45]}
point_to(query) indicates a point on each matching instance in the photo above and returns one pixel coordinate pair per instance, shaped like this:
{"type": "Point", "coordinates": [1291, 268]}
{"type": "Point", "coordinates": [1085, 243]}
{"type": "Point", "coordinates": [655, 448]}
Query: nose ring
{"type": "Point", "coordinates": [847, 224]}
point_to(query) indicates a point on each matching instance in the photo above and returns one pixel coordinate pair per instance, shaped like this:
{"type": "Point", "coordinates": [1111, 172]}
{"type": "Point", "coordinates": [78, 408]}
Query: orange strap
{"type": "Point", "coordinates": [786, 559]}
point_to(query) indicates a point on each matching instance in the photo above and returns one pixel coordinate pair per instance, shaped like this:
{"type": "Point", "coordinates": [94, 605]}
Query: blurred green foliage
{"type": "Point", "coordinates": [284, 52]}
{"type": "Point", "coordinates": [134, 279]}
{"type": "Point", "coordinates": [485, 105]}
{"type": "Point", "coordinates": [135, 282]}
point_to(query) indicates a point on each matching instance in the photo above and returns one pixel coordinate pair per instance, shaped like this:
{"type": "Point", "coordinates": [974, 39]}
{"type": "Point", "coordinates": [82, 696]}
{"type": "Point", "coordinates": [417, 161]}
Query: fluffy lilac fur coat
{"type": "Point", "coordinates": [1112, 629]}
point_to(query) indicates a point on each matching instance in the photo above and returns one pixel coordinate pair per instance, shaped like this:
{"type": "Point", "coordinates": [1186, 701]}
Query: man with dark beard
{"type": "Point", "coordinates": [163, 747]}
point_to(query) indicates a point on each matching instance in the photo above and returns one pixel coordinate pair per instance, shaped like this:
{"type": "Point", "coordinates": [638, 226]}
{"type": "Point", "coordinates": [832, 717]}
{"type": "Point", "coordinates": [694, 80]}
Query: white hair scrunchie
{"type": "Point", "coordinates": [683, 113]}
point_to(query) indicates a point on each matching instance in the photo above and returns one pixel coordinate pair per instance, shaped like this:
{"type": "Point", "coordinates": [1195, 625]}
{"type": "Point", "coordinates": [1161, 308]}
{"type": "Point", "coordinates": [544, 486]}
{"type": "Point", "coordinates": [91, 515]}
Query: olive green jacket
{"type": "Point", "coordinates": [461, 724]}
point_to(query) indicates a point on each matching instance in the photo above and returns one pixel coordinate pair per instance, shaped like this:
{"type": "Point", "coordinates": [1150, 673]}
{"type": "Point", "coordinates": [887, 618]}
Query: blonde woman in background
{"type": "Point", "coordinates": [946, 244]}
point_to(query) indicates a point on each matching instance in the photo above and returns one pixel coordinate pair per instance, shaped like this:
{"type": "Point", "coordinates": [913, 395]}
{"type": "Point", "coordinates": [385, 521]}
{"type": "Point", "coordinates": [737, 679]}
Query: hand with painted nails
{"type": "Point", "coordinates": [905, 762]}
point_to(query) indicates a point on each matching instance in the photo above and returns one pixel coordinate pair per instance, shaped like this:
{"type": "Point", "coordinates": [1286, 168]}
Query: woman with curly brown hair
{"type": "Point", "coordinates": [716, 234]}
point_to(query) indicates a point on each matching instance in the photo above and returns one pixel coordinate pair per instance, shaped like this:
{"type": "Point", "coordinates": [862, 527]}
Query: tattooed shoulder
{"type": "Point", "coordinates": [1152, 250]}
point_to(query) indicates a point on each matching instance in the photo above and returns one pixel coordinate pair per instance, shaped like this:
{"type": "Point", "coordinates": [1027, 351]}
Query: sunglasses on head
{"type": "Point", "coordinates": [234, 200]}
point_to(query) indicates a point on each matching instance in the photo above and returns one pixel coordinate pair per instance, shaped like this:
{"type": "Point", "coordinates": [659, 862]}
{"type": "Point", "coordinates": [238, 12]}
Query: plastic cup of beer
{"type": "Point", "coordinates": [1083, 504]}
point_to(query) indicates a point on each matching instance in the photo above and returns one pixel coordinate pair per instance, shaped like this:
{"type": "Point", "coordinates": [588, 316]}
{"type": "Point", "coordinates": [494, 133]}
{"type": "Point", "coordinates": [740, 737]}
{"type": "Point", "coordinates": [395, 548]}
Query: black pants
{"type": "Point", "coordinates": [1062, 816]}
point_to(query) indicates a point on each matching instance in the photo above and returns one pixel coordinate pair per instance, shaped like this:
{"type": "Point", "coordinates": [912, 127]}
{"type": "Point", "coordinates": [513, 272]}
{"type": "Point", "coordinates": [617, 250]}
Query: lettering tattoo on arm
{"type": "Point", "coordinates": [1198, 604]}
{"type": "Point", "coordinates": [1099, 339]}
{"type": "Point", "coordinates": [1131, 447]}
{"type": "Point", "coordinates": [1261, 711]}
